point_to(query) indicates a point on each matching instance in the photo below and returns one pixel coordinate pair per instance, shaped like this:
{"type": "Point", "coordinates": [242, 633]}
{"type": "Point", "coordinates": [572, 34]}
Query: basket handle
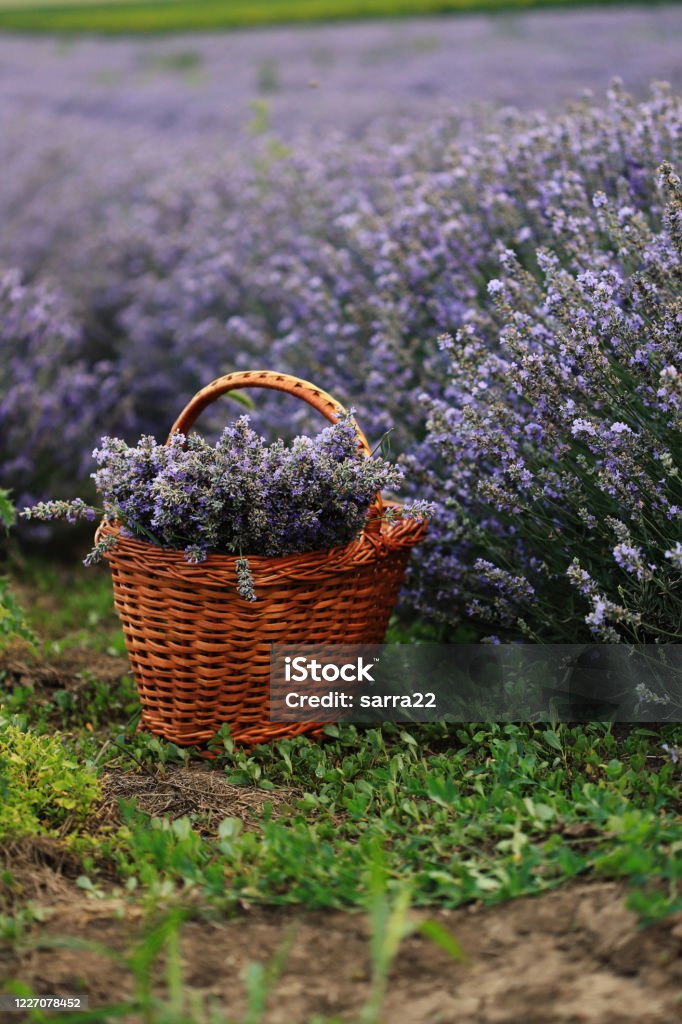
{"type": "Point", "coordinates": [302, 389]}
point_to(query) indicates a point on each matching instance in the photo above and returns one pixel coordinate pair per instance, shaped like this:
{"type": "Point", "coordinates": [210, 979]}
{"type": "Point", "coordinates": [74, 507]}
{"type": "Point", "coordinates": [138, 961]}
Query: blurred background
{"type": "Point", "coordinates": [97, 99]}
{"type": "Point", "coordinates": [193, 188]}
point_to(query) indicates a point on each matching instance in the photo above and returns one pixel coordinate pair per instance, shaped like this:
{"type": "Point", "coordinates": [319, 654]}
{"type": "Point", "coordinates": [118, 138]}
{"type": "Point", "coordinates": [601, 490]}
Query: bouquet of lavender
{"type": "Point", "coordinates": [240, 496]}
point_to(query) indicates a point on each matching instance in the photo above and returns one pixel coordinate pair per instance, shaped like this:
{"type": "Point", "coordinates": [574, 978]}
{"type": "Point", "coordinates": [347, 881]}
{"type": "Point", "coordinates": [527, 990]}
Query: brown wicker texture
{"type": "Point", "coordinates": [200, 653]}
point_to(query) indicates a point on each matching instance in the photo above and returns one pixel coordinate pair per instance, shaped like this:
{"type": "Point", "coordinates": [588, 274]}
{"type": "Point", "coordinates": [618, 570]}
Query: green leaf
{"type": "Point", "coordinates": [7, 512]}
{"type": "Point", "coordinates": [434, 930]}
{"type": "Point", "coordinates": [552, 739]}
{"type": "Point", "coordinates": [384, 444]}
{"type": "Point", "coordinates": [230, 828]}
{"type": "Point", "coordinates": [245, 400]}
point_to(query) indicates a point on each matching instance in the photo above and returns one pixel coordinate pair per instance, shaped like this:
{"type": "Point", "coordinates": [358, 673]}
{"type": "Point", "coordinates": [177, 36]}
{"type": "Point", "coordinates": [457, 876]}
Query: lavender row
{"type": "Point", "coordinates": [344, 263]}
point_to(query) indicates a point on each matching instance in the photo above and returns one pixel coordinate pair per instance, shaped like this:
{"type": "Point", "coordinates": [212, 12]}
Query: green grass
{"type": "Point", "coordinates": [160, 941]}
{"type": "Point", "coordinates": [380, 819]}
{"type": "Point", "coordinates": [68, 609]}
{"type": "Point", "coordinates": [158, 16]}
{"type": "Point", "coordinates": [484, 812]}
{"type": "Point", "coordinates": [473, 813]}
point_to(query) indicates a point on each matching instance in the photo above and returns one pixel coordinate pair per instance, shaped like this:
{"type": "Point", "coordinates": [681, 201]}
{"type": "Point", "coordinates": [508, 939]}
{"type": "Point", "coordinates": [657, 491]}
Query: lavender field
{"type": "Point", "coordinates": [338, 77]}
{"type": "Point", "coordinates": [90, 123]}
{"type": "Point", "coordinates": [469, 231]}
{"type": "Point", "coordinates": [456, 225]}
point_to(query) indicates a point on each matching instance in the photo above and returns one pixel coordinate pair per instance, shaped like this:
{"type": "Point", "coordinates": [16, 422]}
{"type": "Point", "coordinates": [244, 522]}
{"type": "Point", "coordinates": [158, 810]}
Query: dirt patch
{"type": "Point", "coordinates": [74, 688]}
{"type": "Point", "coordinates": [568, 956]}
{"type": "Point", "coordinates": [197, 790]}
{"type": "Point", "coordinates": [71, 670]}
{"type": "Point", "coordinates": [39, 869]}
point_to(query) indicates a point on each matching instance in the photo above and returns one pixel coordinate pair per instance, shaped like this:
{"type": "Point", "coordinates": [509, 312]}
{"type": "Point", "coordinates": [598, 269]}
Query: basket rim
{"type": "Point", "coordinates": [373, 545]}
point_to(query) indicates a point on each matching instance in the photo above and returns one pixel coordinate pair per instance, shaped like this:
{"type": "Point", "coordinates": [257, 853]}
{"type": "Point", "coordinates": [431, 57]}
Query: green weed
{"type": "Point", "coordinates": [90, 706]}
{"type": "Point", "coordinates": [13, 624]}
{"type": "Point", "coordinates": [475, 813]}
{"type": "Point", "coordinates": [68, 608]}
{"type": "Point", "coordinates": [185, 62]}
{"type": "Point", "coordinates": [389, 925]}
{"type": "Point", "coordinates": [43, 787]}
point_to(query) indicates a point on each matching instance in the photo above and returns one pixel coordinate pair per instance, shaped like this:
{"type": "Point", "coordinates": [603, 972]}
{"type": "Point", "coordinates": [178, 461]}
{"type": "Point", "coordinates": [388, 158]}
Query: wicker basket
{"type": "Point", "coordinates": [200, 653]}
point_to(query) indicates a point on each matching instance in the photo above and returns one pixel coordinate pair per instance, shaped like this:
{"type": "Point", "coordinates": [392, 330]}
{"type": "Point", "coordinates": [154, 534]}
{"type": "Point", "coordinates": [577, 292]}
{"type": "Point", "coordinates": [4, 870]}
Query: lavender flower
{"type": "Point", "coordinates": [674, 555]}
{"type": "Point", "coordinates": [245, 584]}
{"type": "Point", "coordinates": [71, 511]}
{"type": "Point", "coordinates": [419, 510]}
{"type": "Point", "coordinates": [195, 553]}
{"type": "Point", "coordinates": [99, 550]}
{"type": "Point", "coordinates": [673, 752]}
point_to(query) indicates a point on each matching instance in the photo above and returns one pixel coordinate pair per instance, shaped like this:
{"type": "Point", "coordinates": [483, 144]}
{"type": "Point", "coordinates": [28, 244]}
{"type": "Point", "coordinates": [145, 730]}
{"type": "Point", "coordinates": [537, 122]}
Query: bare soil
{"type": "Point", "coordinates": [63, 671]}
{"type": "Point", "coordinates": [71, 670]}
{"type": "Point", "coordinates": [198, 791]}
{"type": "Point", "coordinates": [572, 955]}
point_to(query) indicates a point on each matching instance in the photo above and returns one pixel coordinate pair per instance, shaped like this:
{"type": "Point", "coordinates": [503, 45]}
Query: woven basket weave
{"type": "Point", "coordinates": [200, 653]}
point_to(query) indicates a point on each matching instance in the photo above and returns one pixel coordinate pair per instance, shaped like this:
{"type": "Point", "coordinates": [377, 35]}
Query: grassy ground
{"type": "Point", "coordinates": [387, 821]}
{"type": "Point", "coordinates": [123, 16]}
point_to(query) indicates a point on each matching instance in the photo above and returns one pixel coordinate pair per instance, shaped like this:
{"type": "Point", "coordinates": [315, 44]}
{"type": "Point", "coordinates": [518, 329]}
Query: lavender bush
{"type": "Point", "coordinates": [560, 439]}
{"type": "Point", "coordinates": [343, 263]}
{"type": "Point", "coordinates": [340, 263]}
{"type": "Point", "coordinates": [53, 392]}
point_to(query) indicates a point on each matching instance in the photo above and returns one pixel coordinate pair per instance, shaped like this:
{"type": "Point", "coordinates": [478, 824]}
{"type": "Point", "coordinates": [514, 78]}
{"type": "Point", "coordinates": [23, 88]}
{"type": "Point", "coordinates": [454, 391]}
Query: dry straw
{"type": "Point", "coordinates": [200, 653]}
